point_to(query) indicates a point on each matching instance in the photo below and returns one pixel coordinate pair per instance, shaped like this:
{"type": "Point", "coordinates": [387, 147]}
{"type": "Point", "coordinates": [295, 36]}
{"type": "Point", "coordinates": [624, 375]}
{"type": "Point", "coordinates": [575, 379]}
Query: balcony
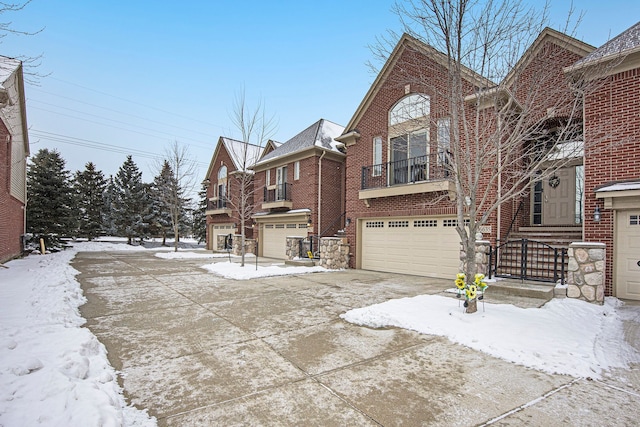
{"type": "Point", "coordinates": [277, 196]}
{"type": "Point", "coordinates": [218, 206]}
{"type": "Point", "coordinates": [423, 174]}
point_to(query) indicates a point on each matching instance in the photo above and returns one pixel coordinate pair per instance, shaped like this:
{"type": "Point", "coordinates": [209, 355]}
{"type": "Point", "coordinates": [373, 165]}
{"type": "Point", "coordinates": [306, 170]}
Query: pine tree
{"type": "Point", "coordinates": [108, 198]}
{"type": "Point", "coordinates": [50, 198]}
{"type": "Point", "coordinates": [131, 206]}
{"type": "Point", "coordinates": [200, 217]}
{"type": "Point", "coordinates": [162, 186]}
{"type": "Point", "coordinates": [89, 186]}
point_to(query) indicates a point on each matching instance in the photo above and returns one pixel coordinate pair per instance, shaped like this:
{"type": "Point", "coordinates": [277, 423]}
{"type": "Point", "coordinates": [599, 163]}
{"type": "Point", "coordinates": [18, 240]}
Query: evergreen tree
{"type": "Point", "coordinates": [199, 217]}
{"type": "Point", "coordinates": [130, 209]}
{"type": "Point", "coordinates": [162, 186]}
{"type": "Point", "coordinates": [108, 198]}
{"type": "Point", "coordinates": [89, 186]}
{"type": "Point", "coordinates": [50, 198]}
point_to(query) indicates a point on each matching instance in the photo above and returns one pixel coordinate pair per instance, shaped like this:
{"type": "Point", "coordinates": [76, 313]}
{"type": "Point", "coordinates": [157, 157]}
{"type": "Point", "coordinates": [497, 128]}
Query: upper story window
{"type": "Point", "coordinates": [222, 182]}
{"type": "Point", "coordinates": [444, 140]}
{"type": "Point", "coordinates": [296, 170]}
{"type": "Point", "coordinates": [409, 139]}
{"type": "Point", "coordinates": [377, 156]}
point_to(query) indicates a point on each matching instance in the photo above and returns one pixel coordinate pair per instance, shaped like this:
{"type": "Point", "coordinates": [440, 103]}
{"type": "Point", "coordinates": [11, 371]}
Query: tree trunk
{"type": "Point", "coordinates": [472, 306]}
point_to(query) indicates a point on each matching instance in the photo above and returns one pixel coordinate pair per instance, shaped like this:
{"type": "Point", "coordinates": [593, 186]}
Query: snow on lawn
{"type": "Point", "coordinates": [565, 336]}
{"type": "Point", "coordinates": [52, 370]}
{"type": "Point", "coordinates": [232, 270]}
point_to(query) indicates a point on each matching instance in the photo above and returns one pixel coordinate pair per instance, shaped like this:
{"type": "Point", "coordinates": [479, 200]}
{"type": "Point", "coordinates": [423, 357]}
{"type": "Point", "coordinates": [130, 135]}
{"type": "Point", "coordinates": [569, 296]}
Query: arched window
{"type": "Point", "coordinates": [409, 139]}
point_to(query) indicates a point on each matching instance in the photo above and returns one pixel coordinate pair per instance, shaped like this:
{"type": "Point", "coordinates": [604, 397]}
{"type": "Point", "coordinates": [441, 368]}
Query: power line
{"type": "Point", "coordinates": [135, 102]}
{"type": "Point", "coordinates": [81, 142]}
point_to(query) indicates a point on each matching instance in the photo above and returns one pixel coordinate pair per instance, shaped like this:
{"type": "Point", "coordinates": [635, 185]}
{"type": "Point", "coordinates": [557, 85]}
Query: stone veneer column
{"type": "Point", "coordinates": [334, 253]}
{"type": "Point", "coordinates": [293, 248]}
{"type": "Point", "coordinates": [482, 257]}
{"type": "Point", "coordinates": [249, 245]}
{"type": "Point", "coordinates": [585, 278]}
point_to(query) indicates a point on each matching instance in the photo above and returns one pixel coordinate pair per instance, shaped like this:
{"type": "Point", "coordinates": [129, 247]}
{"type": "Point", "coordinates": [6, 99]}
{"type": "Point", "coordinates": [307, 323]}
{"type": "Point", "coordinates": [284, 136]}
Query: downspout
{"type": "Point", "coordinates": [320, 192]}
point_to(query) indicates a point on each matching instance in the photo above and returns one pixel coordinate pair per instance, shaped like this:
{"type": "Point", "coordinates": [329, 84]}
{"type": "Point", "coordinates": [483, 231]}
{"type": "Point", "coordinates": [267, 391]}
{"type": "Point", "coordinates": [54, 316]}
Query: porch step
{"type": "Point", "coordinates": [517, 288]}
{"type": "Point", "coordinates": [559, 237]}
{"type": "Point", "coordinates": [300, 262]}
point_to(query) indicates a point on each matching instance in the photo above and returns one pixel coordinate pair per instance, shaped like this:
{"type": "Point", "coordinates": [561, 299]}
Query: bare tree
{"type": "Point", "coordinates": [513, 116]}
{"type": "Point", "coordinates": [30, 63]}
{"type": "Point", "coordinates": [179, 172]}
{"type": "Point", "coordinates": [255, 129]}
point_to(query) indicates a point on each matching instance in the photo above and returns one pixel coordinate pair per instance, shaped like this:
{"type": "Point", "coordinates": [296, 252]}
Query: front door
{"type": "Point", "coordinates": [554, 199]}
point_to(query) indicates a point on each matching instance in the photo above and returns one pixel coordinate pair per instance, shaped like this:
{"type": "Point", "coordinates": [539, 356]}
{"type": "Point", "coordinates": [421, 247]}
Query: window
{"type": "Point", "coordinates": [409, 139]}
{"type": "Point", "coordinates": [296, 170]}
{"type": "Point", "coordinates": [267, 179]}
{"type": "Point", "coordinates": [377, 156]}
{"type": "Point", "coordinates": [444, 140]}
{"type": "Point", "coordinates": [221, 188]}
{"type": "Point", "coordinates": [281, 183]}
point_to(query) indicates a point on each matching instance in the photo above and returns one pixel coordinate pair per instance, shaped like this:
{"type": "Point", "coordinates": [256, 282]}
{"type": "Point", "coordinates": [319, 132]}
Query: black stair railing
{"type": "Point", "coordinates": [528, 260]}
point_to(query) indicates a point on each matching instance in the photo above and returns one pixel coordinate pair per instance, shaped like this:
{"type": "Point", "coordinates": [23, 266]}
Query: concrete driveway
{"type": "Point", "coordinates": [196, 349]}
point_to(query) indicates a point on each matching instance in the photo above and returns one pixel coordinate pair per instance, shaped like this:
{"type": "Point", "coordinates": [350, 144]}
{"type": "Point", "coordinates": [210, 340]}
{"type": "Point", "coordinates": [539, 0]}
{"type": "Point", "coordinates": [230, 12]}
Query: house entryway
{"type": "Point", "coordinates": [557, 200]}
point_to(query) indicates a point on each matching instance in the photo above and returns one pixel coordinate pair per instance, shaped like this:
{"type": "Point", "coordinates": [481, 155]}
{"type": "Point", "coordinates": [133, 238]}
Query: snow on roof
{"type": "Point", "coordinates": [321, 134]}
{"type": "Point", "coordinates": [566, 150]}
{"type": "Point", "coordinates": [620, 186]}
{"type": "Point", "coordinates": [243, 154]}
{"type": "Point", "coordinates": [7, 67]}
{"type": "Point", "coordinates": [627, 41]}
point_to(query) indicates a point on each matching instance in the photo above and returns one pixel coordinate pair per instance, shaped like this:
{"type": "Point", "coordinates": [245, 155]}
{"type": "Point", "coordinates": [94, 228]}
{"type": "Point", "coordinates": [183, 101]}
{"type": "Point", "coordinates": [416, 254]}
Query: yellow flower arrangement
{"type": "Point", "coordinates": [470, 290]}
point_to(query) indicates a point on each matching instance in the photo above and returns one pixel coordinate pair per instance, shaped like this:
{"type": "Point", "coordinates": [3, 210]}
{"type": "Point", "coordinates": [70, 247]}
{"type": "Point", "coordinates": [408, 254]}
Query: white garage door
{"type": "Point", "coordinates": [220, 229]}
{"type": "Point", "coordinates": [274, 238]}
{"type": "Point", "coordinates": [424, 246]}
{"type": "Point", "coordinates": [628, 254]}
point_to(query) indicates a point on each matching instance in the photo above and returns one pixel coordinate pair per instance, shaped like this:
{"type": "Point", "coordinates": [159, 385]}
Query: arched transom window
{"type": "Point", "coordinates": [222, 183]}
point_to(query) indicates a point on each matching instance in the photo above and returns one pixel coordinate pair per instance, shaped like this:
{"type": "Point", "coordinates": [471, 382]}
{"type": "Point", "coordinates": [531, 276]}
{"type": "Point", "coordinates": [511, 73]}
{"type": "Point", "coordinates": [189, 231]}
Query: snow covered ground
{"type": "Point", "coordinates": [565, 336]}
{"type": "Point", "coordinates": [55, 372]}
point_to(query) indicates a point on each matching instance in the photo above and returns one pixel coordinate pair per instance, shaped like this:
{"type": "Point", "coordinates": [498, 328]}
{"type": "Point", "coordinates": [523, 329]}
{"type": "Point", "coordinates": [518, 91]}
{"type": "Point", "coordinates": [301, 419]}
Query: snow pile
{"type": "Point", "coordinates": [566, 336]}
{"type": "Point", "coordinates": [52, 370]}
{"type": "Point", "coordinates": [232, 270]}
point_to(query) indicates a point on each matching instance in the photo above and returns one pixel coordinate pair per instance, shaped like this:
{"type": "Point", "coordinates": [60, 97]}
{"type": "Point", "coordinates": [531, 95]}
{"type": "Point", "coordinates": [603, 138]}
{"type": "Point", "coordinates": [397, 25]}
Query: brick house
{"type": "Point", "coordinates": [612, 159]}
{"type": "Point", "coordinates": [299, 189]}
{"type": "Point", "coordinates": [231, 159]}
{"type": "Point", "coordinates": [400, 202]}
{"type": "Point", "coordinates": [14, 150]}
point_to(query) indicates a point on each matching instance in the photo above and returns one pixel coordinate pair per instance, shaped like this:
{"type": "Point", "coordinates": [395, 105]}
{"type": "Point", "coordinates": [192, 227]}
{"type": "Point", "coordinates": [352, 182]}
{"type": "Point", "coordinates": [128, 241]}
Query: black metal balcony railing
{"type": "Point", "coordinates": [416, 169]}
{"type": "Point", "coordinates": [279, 193]}
{"type": "Point", "coordinates": [221, 203]}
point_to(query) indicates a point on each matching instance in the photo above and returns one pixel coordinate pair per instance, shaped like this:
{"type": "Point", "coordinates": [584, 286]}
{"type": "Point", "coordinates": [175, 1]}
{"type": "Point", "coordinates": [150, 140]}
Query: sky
{"type": "Point", "coordinates": [42, 340]}
{"type": "Point", "coordinates": [132, 77]}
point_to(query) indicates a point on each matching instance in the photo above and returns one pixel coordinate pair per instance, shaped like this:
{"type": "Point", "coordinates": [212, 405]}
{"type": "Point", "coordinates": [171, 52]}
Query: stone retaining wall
{"type": "Point", "coordinates": [292, 249]}
{"type": "Point", "coordinates": [585, 278]}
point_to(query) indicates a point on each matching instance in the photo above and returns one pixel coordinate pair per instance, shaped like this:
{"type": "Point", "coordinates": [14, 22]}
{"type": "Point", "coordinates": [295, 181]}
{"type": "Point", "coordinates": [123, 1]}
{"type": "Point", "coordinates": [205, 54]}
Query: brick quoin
{"type": "Point", "coordinates": [11, 209]}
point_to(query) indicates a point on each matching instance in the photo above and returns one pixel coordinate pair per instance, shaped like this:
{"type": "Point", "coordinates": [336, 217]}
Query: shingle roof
{"type": "Point", "coordinates": [7, 67]}
{"type": "Point", "coordinates": [624, 43]}
{"type": "Point", "coordinates": [238, 149]}
{"type": "Point", "coordinates": [321, 134]}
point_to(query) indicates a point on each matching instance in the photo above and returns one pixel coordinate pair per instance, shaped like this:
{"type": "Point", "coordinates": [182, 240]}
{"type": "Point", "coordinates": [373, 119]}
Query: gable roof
{"type": "Point", "coordinates": [321, 134]}
{"type": "Point", "coordinates": [409, 42]}
{"type": "Point", "coordinates": [236, 150]}
{"type": "Point", "coordinates": [547, 35]}
{"type": "Point", "coordinates": [12, 98]}
{"type": "Point", "coordinates": [624, 44]}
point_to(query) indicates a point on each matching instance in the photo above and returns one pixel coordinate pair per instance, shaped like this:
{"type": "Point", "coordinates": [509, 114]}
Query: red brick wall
{"type": "Point", "coordinates": [11, 209]}
{"type": "Point", "coordinates": [612, 137]}
{"type": "Point", "coordinates": [304, 191]}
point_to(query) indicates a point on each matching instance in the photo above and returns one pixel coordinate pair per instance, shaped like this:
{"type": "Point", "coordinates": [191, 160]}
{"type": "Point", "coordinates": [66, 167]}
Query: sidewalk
{"type": "Point", "coordinates": [198, 350]}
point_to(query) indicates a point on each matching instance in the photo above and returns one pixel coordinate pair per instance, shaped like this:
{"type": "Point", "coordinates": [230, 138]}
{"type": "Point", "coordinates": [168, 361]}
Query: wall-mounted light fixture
{"type": "Point", "coordinates": [347, 222]}
{"type": "Point", "coordinates": [596, 214]}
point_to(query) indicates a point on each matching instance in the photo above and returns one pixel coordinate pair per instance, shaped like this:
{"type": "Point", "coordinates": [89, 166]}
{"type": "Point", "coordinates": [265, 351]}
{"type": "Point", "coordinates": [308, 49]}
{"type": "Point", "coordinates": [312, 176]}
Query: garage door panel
{"type": "Point", "coordinates": [421, 246]}
{"type": "Point", "coordinates": [627, 254]}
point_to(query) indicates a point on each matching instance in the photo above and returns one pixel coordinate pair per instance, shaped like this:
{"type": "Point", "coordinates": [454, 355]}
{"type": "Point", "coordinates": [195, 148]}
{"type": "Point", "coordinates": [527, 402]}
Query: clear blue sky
{"type": "Point", "coordinates": [138, 75]}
